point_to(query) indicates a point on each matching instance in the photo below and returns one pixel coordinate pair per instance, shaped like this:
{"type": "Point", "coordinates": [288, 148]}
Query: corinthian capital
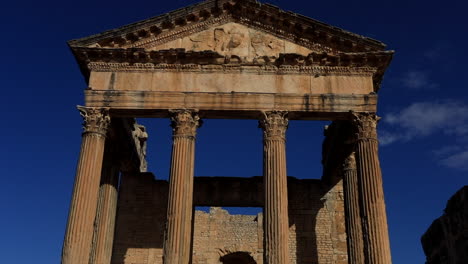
{"type": "Point", "coordinates": [96, 120]}
{"type": "Point", "coordinates": [274, 125]}
{"type": "Point", "coordinates": [184, 123]}
{"type": "Point", "coordinates": [365, 125]}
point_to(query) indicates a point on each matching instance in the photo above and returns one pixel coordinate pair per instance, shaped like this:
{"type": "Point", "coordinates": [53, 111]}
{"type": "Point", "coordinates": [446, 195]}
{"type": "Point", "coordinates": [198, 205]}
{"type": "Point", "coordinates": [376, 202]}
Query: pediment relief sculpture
{"type": "Point", "coordinates": [233, 39]}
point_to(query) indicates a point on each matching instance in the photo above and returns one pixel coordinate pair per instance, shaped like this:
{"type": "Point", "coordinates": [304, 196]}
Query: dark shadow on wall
{"type": "Point", "coordinates": [305, 202]}
{"type": "Point", "coordinates": [141, 215]}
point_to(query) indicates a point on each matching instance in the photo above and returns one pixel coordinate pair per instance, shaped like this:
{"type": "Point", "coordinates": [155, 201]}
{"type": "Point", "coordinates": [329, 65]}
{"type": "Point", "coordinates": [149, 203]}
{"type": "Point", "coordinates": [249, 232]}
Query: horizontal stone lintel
{"type": "Point", "coordinates": [230, 105]}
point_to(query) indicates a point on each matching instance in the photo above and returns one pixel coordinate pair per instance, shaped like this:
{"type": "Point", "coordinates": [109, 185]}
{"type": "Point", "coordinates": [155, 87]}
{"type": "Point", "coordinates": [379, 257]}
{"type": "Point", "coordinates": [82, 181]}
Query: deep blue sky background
{"type": "Point", "coordinates": [423, 102]}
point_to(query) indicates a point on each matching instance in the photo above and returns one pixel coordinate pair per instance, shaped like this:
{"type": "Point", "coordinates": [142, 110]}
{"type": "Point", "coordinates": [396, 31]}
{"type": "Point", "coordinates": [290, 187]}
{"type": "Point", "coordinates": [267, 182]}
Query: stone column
{"type": "Point", "coordinates": [104, 225]}
{"type": "Point", "coordinates": [276, 224]}
{"type": "Point", "coordinates": [180, 204]}
{"type": "Point", "coordinates": [79, 234]}
{"type": "Point", "coordinates": [371, 195]}
{"type": "Point", "coordinates": [353, 218]}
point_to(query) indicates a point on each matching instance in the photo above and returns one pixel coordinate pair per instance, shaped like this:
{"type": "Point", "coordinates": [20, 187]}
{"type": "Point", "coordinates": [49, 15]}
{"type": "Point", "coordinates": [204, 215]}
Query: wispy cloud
{"type": "Point", "coordinates": [387, 138]}
{"type": "Point", "coordinates": [446, 151]}
{"type": "Point", "coordinates": [457, 161]}
{"type": "Point", "coordinates": [427, 118]}
{"type": "Point", "coordinates": [418, 80]}
{"type": "Point", "coordinates": [424, 119]}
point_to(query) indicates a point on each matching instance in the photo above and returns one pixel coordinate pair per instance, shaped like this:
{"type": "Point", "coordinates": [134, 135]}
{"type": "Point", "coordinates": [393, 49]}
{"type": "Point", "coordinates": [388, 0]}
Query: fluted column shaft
{"type": "Point", "coordinates": [353, 218]}
{"type": "Point", "coordinates": [276, 224]}
{"type": "Point", "coordinates": [79, 233]}
{"type": "Point", "coordinates": [372, 204]}
{"type": "Point", "coordinates": [180, 204]}
{"type": "Point", "coordinates": [104, 226]}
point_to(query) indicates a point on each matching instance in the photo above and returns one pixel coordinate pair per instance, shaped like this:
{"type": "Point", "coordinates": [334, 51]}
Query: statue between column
{"type": "Point", "coordinates": [140, 137]}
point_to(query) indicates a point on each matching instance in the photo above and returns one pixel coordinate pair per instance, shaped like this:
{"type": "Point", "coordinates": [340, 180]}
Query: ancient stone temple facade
{"type": "Point", "coordinates": [228, 59]}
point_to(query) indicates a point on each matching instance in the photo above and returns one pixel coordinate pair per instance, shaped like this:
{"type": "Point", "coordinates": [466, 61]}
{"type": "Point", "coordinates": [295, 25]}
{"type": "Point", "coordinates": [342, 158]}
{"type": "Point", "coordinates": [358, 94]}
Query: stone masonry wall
{"type": "Point", "coordinates": [218, 233]}
{"type": "Point", "coordinates": [316, 221]}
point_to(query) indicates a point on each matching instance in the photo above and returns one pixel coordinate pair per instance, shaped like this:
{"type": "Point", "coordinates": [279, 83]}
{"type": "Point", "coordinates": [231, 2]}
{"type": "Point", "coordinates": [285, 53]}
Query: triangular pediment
{"type": "Point", "coordinates": [244, 32]}
{"type": "Point", "coordinates": [229, 26]}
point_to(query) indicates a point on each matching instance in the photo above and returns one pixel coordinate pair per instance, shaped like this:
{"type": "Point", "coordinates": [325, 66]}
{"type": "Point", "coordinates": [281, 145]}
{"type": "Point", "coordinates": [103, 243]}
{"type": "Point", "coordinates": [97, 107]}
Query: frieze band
{"type": "Point", "coordinates": [223, 68]}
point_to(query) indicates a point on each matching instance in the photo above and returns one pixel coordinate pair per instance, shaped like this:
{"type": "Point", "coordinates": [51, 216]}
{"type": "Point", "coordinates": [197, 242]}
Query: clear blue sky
{"type": "Point", "coordinates": [423, 102]}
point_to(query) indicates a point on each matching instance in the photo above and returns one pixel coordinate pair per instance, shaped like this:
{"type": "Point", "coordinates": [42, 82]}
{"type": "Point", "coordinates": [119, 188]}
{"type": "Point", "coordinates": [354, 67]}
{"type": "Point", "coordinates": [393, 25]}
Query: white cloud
{"type": "Point", "coordinates": [424, 119]}
{"type": "Point", "coordinates": [387, 138]}
{"type": "Point", "coordinates": [427, 118]}
{"type": "Point", "coordinates": [418, 80]}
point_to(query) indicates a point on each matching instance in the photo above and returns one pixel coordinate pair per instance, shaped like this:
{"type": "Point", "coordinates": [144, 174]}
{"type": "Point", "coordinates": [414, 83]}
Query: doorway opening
{"type": "Point", "coordinates": [238, 258]}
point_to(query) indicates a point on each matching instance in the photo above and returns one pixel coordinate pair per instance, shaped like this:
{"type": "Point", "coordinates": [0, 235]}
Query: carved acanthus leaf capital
{"type": "Point", "coordinates": [274, 125]}
{"type": "Point", "coordinates": [365, 125]}
{"type": "Point", "coordinates": [96, 120]}
{"type": "Point", "coordinates": [350, 162]}
{"type": "Point", "coordinates": [184, 123]}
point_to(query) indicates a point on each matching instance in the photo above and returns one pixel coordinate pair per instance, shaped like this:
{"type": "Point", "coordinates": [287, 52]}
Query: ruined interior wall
{"type": "Point", "coordinates": [316, 220]}
{"type": "Point", "coordinates": [446, 240]}
{"type": "Point", "coordinates": [141, 216]}
{"type": "Point", "coordinates": [218, 233]}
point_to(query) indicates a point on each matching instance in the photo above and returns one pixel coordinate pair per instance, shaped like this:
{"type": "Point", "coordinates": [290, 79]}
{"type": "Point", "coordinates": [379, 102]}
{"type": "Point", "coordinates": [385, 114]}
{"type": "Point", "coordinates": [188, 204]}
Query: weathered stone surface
{"type": "Point", "coordinates": [218, 234]}
{"type": "Point", "coordinates": [79, 234]}
{"type": "Point", "coordinates": [180, 202]}
{"type": "Point", "coordinates": [316, 220]}
{"type": "Point", "coordinates": [104, 223]}
{"type": "Point", "coordinates": [229, 59]}
{"type": "Point", "coordinates": [198, 17]}
{"type": "Point", "coordinates": [235, 39]}
{"type": "Point", "coordinates": [140, 137]}
{"type": "Point", "coordinates": [231, 105]}
{"type": "Point", "coordinates": [353, 214]}
{"type": "Point", "coordinates": [446, 240]}
{"type": "Point", "coordinates": [274, 125]}
{"type": "Point", "coordinates": [372, 202]}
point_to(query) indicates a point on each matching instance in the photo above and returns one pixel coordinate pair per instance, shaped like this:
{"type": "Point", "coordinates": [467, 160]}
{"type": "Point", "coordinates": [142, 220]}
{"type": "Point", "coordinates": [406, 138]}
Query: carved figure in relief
{"type": "Point", "coordinates": [235, 40]}
{"type": "Point", "coordinates": [228, 40]}
{"type": "Point", "coordinates": [264, 45]}
{"type": "Point", "coordinates": [201, 41]}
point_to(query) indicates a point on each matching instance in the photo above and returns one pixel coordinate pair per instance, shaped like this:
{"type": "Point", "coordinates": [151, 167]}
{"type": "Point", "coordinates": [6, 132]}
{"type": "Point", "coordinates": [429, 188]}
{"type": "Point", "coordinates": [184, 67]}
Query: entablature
{"type": "Point", "coordinates": [231, 105]}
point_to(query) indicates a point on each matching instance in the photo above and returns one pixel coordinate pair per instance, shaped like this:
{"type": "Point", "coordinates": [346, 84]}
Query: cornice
{"type": "Point", "coordinates": [180, 56]}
